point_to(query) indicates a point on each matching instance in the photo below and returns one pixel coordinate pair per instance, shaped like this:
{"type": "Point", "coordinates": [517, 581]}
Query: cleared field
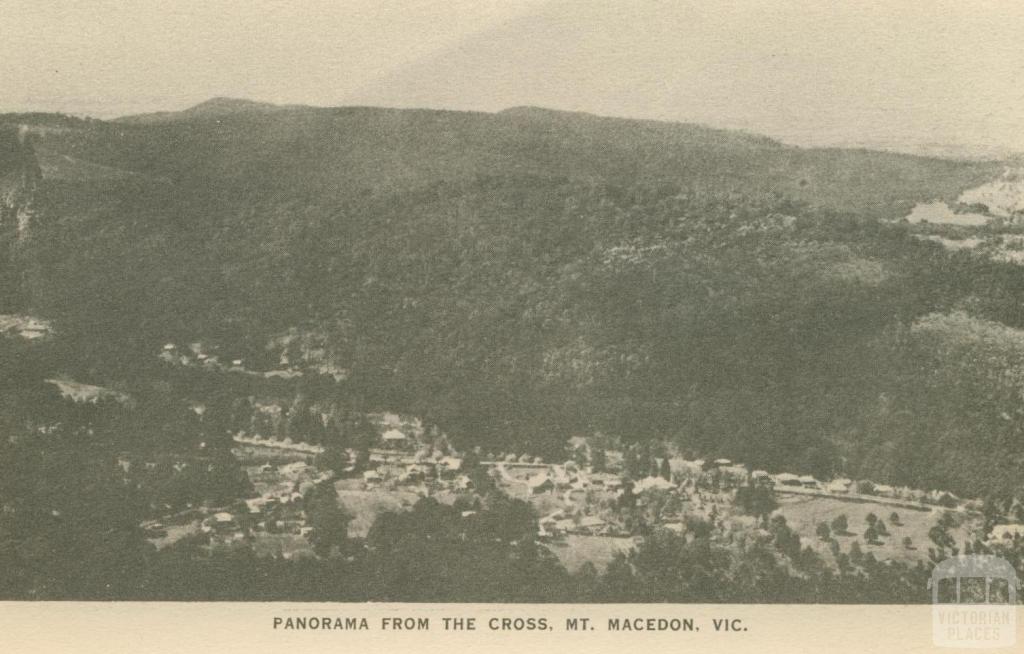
{"type": "Point", "coordinates": [576, 550]}
{"type": "Point", "coordinates": [366, 505]}
{"type": "Point", "coordinates": [249, 455]}
{"type": "Point", "coordinates": [286, 545]}
{"type": "Point", "coordinates": [176, 533]}
{"type": "Point", "coordinates": [803, 514]}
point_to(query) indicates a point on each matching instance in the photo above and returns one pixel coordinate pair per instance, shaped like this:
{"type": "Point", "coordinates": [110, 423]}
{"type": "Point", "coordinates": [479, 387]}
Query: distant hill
{"type": "Point", "coordinates": [287, 149]}
{"type": "Point", "coordinates": [214, 107]}
{"type": "Point", "coordinates": [522, 276]}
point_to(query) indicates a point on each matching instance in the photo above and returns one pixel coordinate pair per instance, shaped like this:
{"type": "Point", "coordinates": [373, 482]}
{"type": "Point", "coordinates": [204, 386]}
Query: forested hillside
{"type": "Point", "coordinates": [517, 278]}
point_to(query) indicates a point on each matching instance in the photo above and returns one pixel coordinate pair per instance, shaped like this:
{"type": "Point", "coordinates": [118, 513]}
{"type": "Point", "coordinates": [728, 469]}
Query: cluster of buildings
{"type": "Point", "coordinates": [195, 355]}
{"type": "Point", "coordinates": [729, 474]}
{"type": "Point", "coordinates": [27, 327]}
{"type": "Point", "coordinates": [278, 509]}
{"type": "Point", "coordinates": [445, 471]}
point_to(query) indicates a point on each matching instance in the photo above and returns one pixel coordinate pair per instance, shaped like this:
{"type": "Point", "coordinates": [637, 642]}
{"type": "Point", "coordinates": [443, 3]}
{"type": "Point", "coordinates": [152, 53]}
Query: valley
{"type": "Point", "coordinates": [298, 352]}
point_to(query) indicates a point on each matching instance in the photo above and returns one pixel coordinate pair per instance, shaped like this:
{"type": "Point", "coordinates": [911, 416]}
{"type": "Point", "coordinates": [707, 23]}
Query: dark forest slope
{"type": "Point", "coordinates": [522, 276]}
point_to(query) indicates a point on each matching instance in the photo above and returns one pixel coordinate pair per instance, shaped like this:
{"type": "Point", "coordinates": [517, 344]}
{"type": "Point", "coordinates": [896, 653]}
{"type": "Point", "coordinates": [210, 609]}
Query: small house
{"type": "Point", "coordinates": [762, 479]}
{"type": "Point", "coordinates": [395, 439]}
{"type": "Point", "coordinates": [450, 464]}
{"type": "Point", "coordinates": [540, 483]}
{"type": "Point", "coordinates": [372, 477]}
{"type": "Point", "coordinates": [220, 522]}
{"type": "Point", "coordinates": [734, 473]}
{"type": "Point", "coordinates": [885, 490]}
{"type": "Point", "coordinates": [592, 525]}
{"type": "Point", "coordinates": [788, 479]}
{"type": "Point", "coordinates": [652, 483]}
{"type": "Point", "coordinates": [841, 486]}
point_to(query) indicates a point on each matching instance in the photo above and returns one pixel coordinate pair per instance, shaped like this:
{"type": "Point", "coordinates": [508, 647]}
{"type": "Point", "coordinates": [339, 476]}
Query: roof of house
{"type": "Point", "coordinates": [538, 480]}
{"type": "Point", "coordinates": [451, 463]}
{"type": "Point", "coordinates": [578, 441]}
{"type": "Point", "coordinates": [394, 435]}
{"type": "Point", "coordinates": [652, 483]}
{"type": "Point", "coordinates": [1007, 530]}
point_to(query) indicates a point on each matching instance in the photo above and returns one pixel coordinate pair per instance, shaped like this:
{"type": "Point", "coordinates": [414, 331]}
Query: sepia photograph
{"type": "Point", "coordinates": [530, 302]}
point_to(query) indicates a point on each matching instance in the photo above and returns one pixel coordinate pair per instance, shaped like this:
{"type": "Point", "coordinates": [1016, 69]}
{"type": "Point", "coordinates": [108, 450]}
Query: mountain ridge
{"type": "Point", "coordinates": [520, 276]}
{"type": "Point", "coordinates": [225, 107]}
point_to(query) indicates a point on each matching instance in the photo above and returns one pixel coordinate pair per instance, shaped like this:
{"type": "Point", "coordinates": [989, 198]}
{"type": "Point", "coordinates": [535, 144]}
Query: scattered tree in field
{"type": "Point", "coordinates": [327, 517]}
{"type": "Point", "coordinates": [946, 520]}
{"type": "Point", "coordinates": [824, 533]}
{"type": "Point", "coordinates": [871, 519]}
{"type": "Point", "coordinates": [870, 535]}
{"type": "Point", "coordinates": [756, 501]}
{"type": "Point", "coordinates": [333, 458]}
{"type": "Point", "coordinates": [786, 540]}
{"type": "Point", "coordinates": [941, 537]}
{"type": "Point", "coordinates": [881, 528]}
{"type": "Point", "coordinates": [894, 518]}
{"type": "Point", "coordinates": [908, 543]}
{"type": "Point", "coordinates": [665, 470]}
{"type": "Point", "coordinates": [856, 553]}
{"type": "Point", "coordinates": [840, 524]}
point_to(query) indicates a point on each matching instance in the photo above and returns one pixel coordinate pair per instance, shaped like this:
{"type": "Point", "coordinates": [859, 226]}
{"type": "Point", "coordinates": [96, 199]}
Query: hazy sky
{"type": "Point", "coordinates": [912, 71]}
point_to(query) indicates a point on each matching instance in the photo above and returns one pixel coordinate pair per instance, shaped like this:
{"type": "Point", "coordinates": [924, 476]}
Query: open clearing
{"type": "Point", "coordinates": [803, 513]}
{"type": "Point", "coordinates": [575, 550]}
{"type": "Point", "coordinates": [366, 505]}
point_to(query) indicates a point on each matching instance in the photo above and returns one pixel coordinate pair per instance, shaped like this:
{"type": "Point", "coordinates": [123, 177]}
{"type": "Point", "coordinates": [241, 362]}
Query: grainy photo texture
{"type": "Point", "coordinates": [517, 302]}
